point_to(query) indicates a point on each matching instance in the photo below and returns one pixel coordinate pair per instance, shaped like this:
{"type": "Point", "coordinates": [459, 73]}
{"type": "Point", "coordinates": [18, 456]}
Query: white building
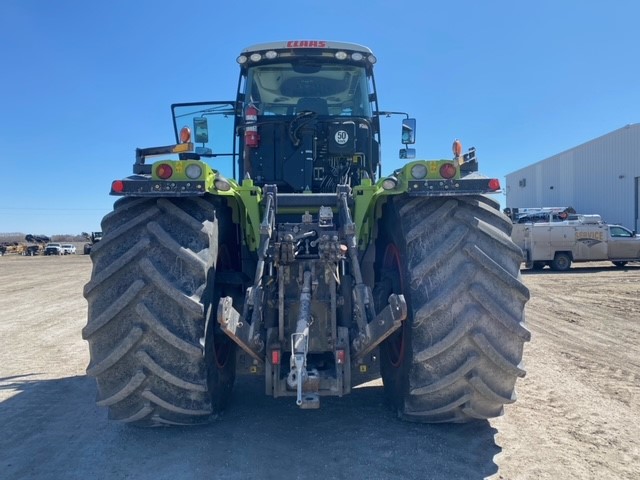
{"type": "Point", "coordinates": [601, 176]}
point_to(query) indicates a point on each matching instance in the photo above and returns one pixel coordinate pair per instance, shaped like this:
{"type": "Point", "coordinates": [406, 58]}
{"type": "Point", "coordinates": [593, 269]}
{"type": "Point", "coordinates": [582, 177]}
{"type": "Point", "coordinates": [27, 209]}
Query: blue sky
{"type": "Point", "coordinates": [85, 83]}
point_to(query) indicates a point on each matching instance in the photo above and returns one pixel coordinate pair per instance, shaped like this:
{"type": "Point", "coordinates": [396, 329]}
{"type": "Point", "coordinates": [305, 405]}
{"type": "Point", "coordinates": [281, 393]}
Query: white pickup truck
{"type": "Point", "coordinates": [584, 239]}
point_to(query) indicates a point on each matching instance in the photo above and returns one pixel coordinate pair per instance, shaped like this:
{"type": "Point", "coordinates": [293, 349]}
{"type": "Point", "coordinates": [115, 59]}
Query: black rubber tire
{"type": "Point", "coordinates": [151, 288]}
{"type": "Point", "coordinates": [620, 264]}
{"type": "Point", "coordinates": [561, 262]}
{"type": "Point", "coordinates": [457, 356]}
{"type": "Point", "coordinates": [538, 266]}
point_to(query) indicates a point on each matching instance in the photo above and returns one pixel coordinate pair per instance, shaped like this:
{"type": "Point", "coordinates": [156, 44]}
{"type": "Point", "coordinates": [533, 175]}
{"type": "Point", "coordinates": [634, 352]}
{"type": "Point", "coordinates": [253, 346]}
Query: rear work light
{"type": "Point", "coordinates": [448, 170]}
{"type": "Point", "coordinates": [419, 171]}
{"type": "Point", "coordinates": [193, 171]}
{"type": "Point", "coordinates": [164, 171]}
{"type": "Point", "coordinates": [389, 183]}
{"type": "Point", "coordinates": [222, 185]}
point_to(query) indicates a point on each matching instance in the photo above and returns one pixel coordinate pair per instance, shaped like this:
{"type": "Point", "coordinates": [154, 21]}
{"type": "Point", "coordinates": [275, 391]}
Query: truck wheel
{"type": "Point", "coordinates": [151, 288]}
{"type": "Point", "coordinates": [458, 354]}
{"type": "Point", "coordinates": [561, 262]}
{"type": "Point", "coordinates": [619, 264]}
{"type": "Point", "coordinates": [538, 265]}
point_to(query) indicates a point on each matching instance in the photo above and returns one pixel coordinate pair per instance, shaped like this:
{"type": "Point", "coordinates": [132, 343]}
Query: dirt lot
{"type": "Point", "coordinates": [576, 416]}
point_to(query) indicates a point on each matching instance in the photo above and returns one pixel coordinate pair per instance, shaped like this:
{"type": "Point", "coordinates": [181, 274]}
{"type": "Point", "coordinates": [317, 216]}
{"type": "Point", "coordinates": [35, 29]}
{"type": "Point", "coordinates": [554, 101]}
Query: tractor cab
{"type": "Point", "coordinates": [308, 114]}
{"type": "Point", "coordinates": [305, 118]}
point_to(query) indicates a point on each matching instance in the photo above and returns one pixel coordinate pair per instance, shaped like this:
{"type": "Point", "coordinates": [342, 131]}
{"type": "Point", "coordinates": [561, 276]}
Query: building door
{"type": "Point", "coordinates": [637, 212]}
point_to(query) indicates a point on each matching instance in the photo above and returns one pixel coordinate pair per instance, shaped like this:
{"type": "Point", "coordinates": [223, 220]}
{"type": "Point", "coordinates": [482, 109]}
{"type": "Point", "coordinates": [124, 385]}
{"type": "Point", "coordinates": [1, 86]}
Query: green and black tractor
{"type": "Point", "coordinates": [267, 242]}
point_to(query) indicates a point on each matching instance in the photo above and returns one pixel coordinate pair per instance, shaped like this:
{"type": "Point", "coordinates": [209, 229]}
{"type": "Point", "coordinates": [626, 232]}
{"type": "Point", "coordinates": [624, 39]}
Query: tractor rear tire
{"type": "Point", "coordinates": [151, 289]}
{"type": "Point", "coordinates": [457, 356]}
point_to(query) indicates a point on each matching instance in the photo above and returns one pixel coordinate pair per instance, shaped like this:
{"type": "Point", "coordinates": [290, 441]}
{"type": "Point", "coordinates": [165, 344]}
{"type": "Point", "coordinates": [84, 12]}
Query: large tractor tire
{"type": "Point", "coordinates": [457, 356]}
{"type": "Point", "coordinates": [151, 291]}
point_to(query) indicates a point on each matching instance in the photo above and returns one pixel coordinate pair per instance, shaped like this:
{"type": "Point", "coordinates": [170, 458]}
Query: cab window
{"type": "Point", "coordinates": [280, 89]}
{"type": "Point", "coordinates": [619, 232]}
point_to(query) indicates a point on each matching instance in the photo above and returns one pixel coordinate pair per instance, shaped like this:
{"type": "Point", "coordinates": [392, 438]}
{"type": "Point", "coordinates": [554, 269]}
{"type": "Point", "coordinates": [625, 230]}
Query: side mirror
{"type": "Point", "coordinates": [409, 131]}
{"type": "Point", "coordinates": [201, 129]}
{"type": "Point", "coordinates": [407, 153]}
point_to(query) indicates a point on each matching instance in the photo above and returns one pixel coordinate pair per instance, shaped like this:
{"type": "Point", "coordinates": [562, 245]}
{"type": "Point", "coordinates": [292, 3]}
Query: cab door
{"type": "Point", "coordinates": [623, 244]}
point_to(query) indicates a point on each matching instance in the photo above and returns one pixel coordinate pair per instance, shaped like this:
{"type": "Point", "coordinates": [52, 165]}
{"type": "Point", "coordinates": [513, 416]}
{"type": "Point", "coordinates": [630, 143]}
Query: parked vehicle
{"type": "Point", "coordinates": [586, 238]}
{"type": "Point", "coordinates": [68, 249]}
{"type": "Point", "coordinates": [93, 238]}
{"type": "Point", "coordinates": [53, 249]}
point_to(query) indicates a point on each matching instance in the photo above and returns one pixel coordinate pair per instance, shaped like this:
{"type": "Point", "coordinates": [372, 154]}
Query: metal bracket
{"type": "Point", "coordinates": [231, 323]}
{"type": "Point", "coordinates": [385, 323]}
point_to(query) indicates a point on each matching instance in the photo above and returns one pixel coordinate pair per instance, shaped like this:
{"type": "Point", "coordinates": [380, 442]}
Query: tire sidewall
{"type": "Point", "coordinates": [395, 352]}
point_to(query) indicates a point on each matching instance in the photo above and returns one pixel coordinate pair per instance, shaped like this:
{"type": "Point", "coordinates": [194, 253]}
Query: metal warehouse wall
{"type": "Point", "coordinates": [601, 176]}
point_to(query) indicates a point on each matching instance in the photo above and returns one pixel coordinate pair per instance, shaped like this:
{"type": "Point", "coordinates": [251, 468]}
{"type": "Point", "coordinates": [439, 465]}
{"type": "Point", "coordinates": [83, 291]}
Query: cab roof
{"type": "Point", "coordinates": [320, 44]}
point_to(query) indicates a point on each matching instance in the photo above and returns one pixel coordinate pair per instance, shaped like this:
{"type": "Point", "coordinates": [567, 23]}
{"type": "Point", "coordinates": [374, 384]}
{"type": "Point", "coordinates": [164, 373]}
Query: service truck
{"type": "Point", "coordinates": [581, 238]}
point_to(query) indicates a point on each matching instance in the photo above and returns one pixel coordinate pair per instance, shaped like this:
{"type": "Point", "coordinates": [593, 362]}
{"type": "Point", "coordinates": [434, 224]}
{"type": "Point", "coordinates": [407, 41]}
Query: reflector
{"type": "Point", "coordinates": [275, 357]}
{"type": "Point", "coordinates": [117, 186]}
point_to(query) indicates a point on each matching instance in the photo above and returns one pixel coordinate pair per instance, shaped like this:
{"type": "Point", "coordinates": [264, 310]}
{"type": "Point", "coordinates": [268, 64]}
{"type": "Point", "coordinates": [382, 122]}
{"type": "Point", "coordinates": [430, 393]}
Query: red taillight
{"type": "Point", "coordinates": [448, 170]}
{"type": "Point", "coordinates": [164, 171]}
{"type": "Point", "coordinates": [275, 357]}
{"type": "Point", "coordinates": [340, 357]}
{"type": "Point", "coordinates": [494, 184]}
{"type": "Point", "coordinates": [117, 186]}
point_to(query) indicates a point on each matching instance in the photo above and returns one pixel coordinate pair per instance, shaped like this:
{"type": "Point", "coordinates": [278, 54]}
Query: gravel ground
{"type": "Point", "coordinates": [575, 418]}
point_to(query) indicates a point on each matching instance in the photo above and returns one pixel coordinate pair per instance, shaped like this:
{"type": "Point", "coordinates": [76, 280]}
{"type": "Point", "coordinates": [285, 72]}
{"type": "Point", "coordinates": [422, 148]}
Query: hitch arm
{"type": "Point", "coordinates": [248, 335]}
